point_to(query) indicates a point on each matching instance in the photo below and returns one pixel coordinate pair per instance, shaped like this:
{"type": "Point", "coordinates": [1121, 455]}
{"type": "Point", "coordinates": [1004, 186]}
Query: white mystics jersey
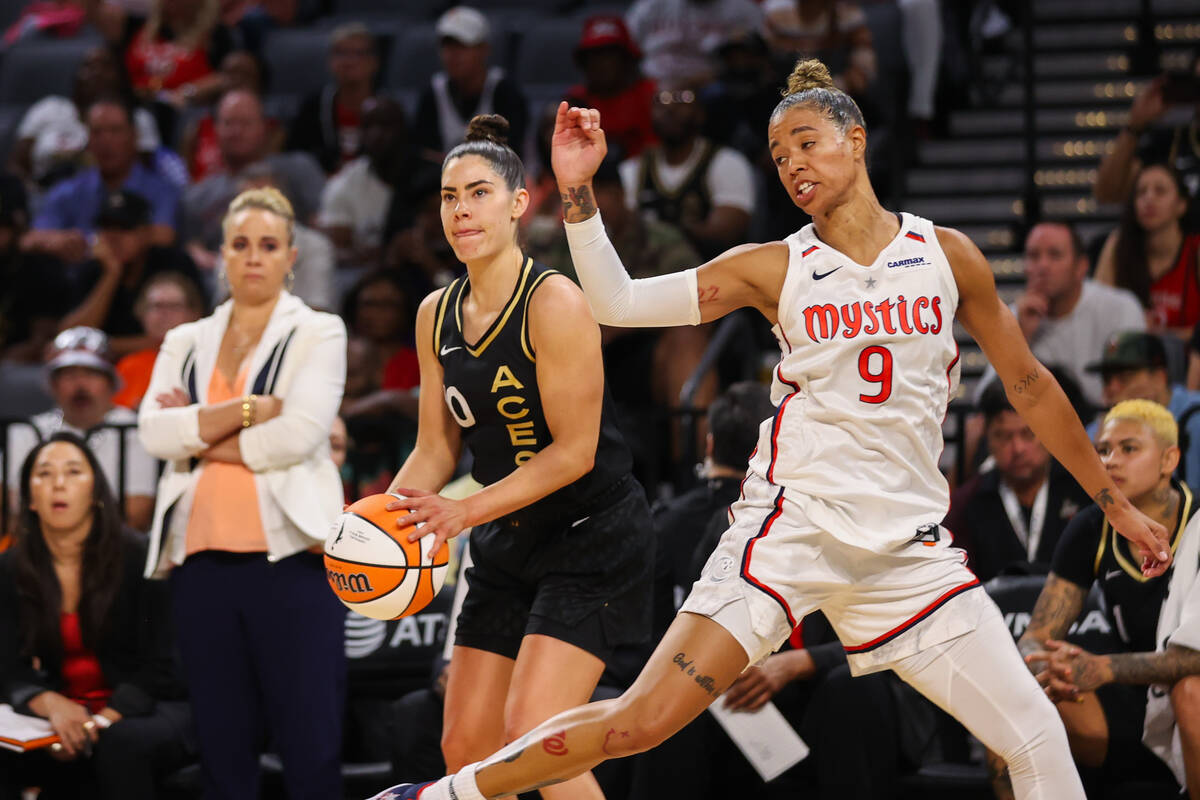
{"type": "Point", "coordinates": [868, 364]}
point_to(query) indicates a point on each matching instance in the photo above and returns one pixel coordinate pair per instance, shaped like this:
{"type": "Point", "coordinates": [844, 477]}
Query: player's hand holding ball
{"type": "Point", "coordinates": [379, 560]}
{"type": "Point", "coordinates": [430, 514]}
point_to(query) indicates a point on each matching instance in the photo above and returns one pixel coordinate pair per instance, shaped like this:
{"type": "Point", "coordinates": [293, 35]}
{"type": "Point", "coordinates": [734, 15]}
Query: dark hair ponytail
{"type": "Point", "coordinates": [487, 137]}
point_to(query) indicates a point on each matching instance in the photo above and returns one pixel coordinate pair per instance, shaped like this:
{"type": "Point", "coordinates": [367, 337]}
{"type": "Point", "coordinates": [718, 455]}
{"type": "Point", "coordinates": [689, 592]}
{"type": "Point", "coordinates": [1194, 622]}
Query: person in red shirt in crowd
{"type": "Point", "coordinates": [613, 83]}
{"type": "Point", "coordinates": [376, 311]}
{"type": "Point", "coordinates": [173, 57]}
{"type": "Point", "coordinates": [168, 299]}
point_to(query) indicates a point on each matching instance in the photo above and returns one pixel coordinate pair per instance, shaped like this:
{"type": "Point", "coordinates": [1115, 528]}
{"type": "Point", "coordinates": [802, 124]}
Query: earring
{"type": "Point", "coordinates": [290, 281]}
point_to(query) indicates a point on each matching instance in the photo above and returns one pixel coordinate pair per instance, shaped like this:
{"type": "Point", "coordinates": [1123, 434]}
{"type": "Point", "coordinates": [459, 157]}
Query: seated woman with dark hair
{"type": "Point", "coordinates": [84, 640]}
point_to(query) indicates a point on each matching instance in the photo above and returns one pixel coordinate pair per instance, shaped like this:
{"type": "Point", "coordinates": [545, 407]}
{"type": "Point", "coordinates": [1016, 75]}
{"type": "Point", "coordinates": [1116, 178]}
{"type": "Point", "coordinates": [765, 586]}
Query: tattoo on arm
{"type": "Point", "coordinates": [707, 294]}
{"type": "Point", "coordinates": [1104, 498]}
{"type": "Point", "coordinates": [1025, 383]}
{"type": "Point", "coordinates": [577, 203]}
{"type": "Point", "coordinates": [1057, 607]}
{"type": "Point", "coordinates": [1145, 668]}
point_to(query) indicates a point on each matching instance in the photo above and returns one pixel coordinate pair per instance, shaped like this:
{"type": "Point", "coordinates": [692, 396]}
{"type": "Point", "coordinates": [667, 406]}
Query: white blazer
{"type": "Point", "coordinates": [301, 358]}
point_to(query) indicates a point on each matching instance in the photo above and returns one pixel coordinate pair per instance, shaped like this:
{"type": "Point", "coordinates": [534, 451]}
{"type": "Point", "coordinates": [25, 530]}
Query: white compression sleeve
{"type": "Point", "coordinates": [615, 298]}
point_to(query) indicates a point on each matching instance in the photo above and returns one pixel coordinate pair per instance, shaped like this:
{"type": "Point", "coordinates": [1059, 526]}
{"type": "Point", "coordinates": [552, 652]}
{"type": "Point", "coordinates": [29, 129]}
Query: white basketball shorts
{"type": "Point", "coordinates": [772, 567]}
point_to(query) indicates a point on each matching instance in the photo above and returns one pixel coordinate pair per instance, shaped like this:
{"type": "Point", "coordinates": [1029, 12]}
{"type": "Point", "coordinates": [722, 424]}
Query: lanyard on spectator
{"type": "Point", "coordinates": [1031, 535]}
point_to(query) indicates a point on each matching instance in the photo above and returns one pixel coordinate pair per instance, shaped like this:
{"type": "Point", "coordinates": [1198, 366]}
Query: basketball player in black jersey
{"type": "Point", "coordinates": [562, 547]}
{"type": "Point", "coordinates": [1102, 698]}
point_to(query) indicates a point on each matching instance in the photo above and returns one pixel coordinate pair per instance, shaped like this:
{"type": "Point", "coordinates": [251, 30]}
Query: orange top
{"type": "Point", "coordinates": [135, 370]}
{"type": "Point", "coordinates": [225, 512]}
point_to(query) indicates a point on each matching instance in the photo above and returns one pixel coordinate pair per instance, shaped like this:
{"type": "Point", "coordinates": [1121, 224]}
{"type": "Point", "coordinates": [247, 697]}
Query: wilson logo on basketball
{"type": "Point", "coordinates": [355, 583]}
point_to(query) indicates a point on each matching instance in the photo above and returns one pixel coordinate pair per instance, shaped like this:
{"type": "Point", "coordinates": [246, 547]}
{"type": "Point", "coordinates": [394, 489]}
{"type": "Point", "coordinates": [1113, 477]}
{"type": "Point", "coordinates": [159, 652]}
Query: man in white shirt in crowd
{"type": "Point", "coordinates": [677, 37]}
{"type": "Point", "coordinates": [1065, 316]}
{"type": "Point", "coordinates": [82, 382]}
{"type": "Point", "coordinates": [687, 180]}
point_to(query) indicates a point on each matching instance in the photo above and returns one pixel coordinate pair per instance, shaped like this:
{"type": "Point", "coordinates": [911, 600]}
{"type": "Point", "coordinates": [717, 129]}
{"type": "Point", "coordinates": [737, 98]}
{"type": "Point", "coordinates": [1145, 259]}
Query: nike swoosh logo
{"type": "Point", "coordinates": [1113, 573]}
{"type": "Point", "coordinates": [449, 350]}
{"type": "Point", "coordinates": [818, 276]}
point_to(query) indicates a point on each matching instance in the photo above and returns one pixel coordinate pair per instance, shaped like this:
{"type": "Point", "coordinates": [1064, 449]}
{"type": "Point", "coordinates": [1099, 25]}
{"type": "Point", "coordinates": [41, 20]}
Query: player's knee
{"type": "Point", "coordinates": [1040, 731]}
{"type": "Point", "coordinates": [640, 723]}
{"type": "Point", "coordinates": [1185, 700]}
{"type": "Point", "coordinates": [461, 746]}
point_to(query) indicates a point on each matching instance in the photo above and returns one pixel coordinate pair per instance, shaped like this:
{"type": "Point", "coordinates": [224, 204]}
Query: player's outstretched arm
{"type": "Point", "coordinates": [1038, 398]}
{"type": "Point", "coordinates": [749, 275]}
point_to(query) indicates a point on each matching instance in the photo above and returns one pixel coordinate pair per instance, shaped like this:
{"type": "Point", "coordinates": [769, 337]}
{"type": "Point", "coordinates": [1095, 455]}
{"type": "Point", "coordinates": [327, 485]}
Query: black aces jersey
{"type": "Point", "coordinates": [491, 389]}
{"type": "Point", "coordinates": [1090, 549]}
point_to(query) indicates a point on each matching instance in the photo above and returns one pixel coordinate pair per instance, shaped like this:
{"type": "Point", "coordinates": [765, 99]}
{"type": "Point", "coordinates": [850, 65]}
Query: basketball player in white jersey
{"type": "Point", "coordinates": [840, 508]}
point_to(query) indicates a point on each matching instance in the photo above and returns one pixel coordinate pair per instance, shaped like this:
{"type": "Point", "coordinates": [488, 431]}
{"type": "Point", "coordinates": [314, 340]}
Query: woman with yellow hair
{"type": "Point", "coordinates": [240, 405]}
{"type": "Point", "coordinates": [1103, 699]}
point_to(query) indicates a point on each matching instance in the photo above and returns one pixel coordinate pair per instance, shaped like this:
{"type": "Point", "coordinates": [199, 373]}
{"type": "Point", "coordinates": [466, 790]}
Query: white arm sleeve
{"type": "Point", "coordinates": [615, 298]}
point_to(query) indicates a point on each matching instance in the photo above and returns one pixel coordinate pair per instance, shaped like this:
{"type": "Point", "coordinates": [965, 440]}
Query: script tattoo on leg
{"type": "Point", "coordinates": [1026, 382]}
{"type": "Point", "coordinates": [687, 667]}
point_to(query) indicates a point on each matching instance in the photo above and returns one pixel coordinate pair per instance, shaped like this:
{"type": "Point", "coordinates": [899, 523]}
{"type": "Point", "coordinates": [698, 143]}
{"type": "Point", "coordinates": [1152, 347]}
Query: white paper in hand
{"type": "Point", "coordinates": [769, 743]}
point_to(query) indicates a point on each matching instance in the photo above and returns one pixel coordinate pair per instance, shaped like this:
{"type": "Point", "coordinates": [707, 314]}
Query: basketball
{"type": "Point", "coordinates": [373, 568]}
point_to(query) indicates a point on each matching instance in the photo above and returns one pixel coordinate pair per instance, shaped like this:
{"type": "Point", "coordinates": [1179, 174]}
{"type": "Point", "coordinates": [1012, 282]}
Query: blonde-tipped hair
{"type": "Point", "coordinates": [1149, 413]}
{"type": "Point", "coordinates": [267, 198]}
{"type": "Point", "coordinates": [811, 86]}
{"type": "Point", "coordinates": [195, 34]}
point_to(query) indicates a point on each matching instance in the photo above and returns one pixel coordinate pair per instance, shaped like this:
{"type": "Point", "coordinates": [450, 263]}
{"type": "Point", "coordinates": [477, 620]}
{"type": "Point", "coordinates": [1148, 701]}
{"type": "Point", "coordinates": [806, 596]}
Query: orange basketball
{"type": "Point", "coordinates": [373, 568]}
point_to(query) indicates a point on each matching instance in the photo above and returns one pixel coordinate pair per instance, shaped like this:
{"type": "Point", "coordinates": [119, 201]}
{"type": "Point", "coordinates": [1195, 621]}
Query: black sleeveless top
{"type": "Point", "coordinates": [1090, 550]}
{"type": "Point", "coordinates": [691, 200]}
{"type": "Point", "coordinates": [491, 389]}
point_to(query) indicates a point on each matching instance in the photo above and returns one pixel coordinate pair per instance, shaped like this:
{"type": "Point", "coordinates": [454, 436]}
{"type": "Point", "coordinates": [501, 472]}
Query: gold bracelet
{"type": "Point", "coordinates": [249, 409]}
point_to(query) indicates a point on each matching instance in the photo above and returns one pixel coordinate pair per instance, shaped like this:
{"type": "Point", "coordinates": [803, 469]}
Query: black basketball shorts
{"type": "Point", "coordinates": [585, 580]}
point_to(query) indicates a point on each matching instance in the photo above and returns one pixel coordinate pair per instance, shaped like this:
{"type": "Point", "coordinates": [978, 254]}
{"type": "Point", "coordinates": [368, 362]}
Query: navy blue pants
{"type": "Point", "coordinates": [263, 657]}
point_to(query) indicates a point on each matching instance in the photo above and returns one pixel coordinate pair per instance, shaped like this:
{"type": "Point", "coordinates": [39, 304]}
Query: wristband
{"type": "Point", "coordinates": [249, 410]}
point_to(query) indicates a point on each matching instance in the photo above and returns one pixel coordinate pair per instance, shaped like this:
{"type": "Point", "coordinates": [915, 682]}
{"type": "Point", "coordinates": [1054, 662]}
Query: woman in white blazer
{"type": "Point", "coordinates": [240, 406]}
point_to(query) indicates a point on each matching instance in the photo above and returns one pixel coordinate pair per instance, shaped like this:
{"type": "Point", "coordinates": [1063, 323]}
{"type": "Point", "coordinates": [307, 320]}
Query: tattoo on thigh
{"type": "Point", "coordinates": [687, 667]}
{"type": "Point", "coordinates": [556, 744]}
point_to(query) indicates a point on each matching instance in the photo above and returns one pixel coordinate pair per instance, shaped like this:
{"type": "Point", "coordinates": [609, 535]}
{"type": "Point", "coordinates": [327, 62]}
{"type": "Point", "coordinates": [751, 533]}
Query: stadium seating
{"type": "Point", "coordinates": [32, 70]}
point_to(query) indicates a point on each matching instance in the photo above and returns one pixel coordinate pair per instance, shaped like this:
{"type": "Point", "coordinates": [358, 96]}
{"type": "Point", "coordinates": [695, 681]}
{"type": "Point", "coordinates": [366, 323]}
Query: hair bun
{"type": "Point", "coordinates": [487, 128]}
{"type": "Point", "coordinates": [809, 73]}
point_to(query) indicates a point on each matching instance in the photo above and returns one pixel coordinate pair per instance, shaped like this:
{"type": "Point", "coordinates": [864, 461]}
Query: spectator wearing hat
{"type": "Point", "coordinates": [82, 382]}
{"type": "Point", "coordinates": [329, 124]}
{"type": "Point", "coordinates": [466, 85]}
{"type": "Point", "coordinates": [1064, 315]}
{"type": "Point", "coordinates": [67, 215]}
{"type": "Point", "coordinates": [614, 84]}
{"type": "Point", "coordinates": [124, 257]}
{"type": "Point", "coordinates": [1134, 367]}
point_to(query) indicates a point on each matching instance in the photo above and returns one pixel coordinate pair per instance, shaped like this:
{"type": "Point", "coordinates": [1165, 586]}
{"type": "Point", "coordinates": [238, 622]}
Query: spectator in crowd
{"type": "Point", "coordinates": [167, 300]}
{"type": "Point", "coordinates": [201, 149]}
{"type": "Point", "coordinates": [378, 312]}
{"type": "Point", "coordinates": [1112, 721]}
{"type": "Point", "coordinates": [677, 37]}
{"type": "Point", "coordinates": [68, 212]}
{"type": "Point", "coordinates": [613, 84]}
{"type": "Point", "coordinates": [1064, 315]}
{"type": "Point", "coordinates": [1141, 141]}
{"type": "Point", "coordinates": [82, 381]}
{"type": "Point", "coordinates": [417, 249]}
{"type": "Point", "coordinates": [123, 259]}
{"type": "Point", "coordinates": [834, 31]}
{"type": "Point", "coordinates": [31, 296]}
{"type": "Point", "coordinates": [466, 85]}
{"type": "Point", "coordinates": [686, 180]}
{"type": "Point", "coordinates": [1134, 366]}
{"type": "Point", "coordinates": [1012, 515]}
{"type": "Point", "coordinates": [921, 32]}
{"type": "Point", "coordinates": [355, 203]}
{"type": "Point", "coordinates": [243, 134]}
{"type": "Point", "coordinates": [1150, 255]}
{"type": "Point", "coordinates": [248, 491]}
{"type": "Point", "coordinates": [52, 138]}
{"type": "Point", "coordinates": [46, 18]}
{"type": "Point", "coordinates": [733, 420]}
{"type": "Point", "coordinates": [312, 277]}
{"type": "Point", "coordinates": [329, 124]}
{"type": "Point", "coordinates": [84, 639]}
{"type": "Point", "coordinates": [172, 57]}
